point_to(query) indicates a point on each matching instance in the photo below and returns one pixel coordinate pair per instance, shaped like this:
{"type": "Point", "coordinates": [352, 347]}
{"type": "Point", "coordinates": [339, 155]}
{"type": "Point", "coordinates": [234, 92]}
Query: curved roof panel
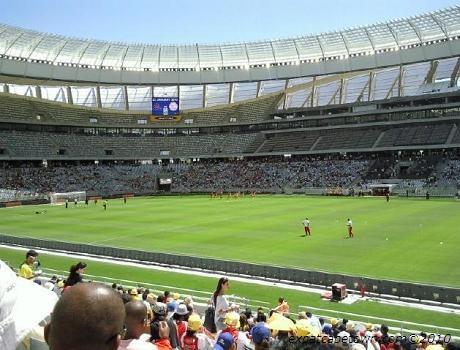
{"type": "Point", "coordinates": [18, 43]}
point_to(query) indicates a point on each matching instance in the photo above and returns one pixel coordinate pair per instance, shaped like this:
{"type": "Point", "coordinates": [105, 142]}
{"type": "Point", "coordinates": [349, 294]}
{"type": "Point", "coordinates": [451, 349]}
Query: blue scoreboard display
{"type": "Point", "coordinates": [165, 107]}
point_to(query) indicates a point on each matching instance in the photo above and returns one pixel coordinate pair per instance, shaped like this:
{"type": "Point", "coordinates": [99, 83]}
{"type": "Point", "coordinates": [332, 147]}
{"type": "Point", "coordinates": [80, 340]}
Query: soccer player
{"type": "Point", "coordinates": [104, 204]}
{"type": "Point", "coordinates": [66, 203]}
{"type": "Point", "coordinates": [306, 226]}
{"type": "Point", "coordinates": [75, 201]}
{"type": "Point", "coordinates": [387, 195]}
{"type": "Point", "coordinates": [124, 199]}
{"type": "Point", "coordinates": [350, 228]}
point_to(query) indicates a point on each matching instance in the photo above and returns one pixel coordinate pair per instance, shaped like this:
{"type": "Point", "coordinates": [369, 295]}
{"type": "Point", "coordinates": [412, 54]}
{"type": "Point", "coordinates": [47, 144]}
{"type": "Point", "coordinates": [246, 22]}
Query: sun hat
{"type": "Point", "coordinates": [182, 310]}
{"type": "Point", "coordinates": [232, 319]}
{"type": "Point", "coordinates": [194, 322]}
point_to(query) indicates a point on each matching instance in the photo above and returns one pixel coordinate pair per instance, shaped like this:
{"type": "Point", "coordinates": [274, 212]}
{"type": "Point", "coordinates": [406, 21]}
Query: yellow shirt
{"type": "Point", "coordinates": [26, 271]}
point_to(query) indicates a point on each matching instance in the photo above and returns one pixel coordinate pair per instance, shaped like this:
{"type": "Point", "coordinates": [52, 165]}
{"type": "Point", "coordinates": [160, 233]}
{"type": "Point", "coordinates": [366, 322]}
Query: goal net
{"type": "Point", "coordinates": [57, 198]}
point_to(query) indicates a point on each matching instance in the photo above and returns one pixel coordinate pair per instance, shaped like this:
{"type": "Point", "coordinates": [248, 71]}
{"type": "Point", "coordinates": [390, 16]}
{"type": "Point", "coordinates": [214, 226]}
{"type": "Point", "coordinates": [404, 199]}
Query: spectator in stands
{"type": "Point", "coordinates": [232, 323]}
{"type": "Point", "coordinates": [283, 306]}
{"type": "Point", "coordinates": [27, 269]}
{"type": "Point", "coordinates": [188, 301]}
{"type": "Point", "coordinates": [23, 307]}
{"type": "Point", "coordinates": [159, 329]}
{"type": "Point", "coordinates": [75, 274]}
{"type": "Point", "coordinates": [134, 294]}
{"type": "Point", "coordinates": [180, 318]}
{"type": "Point", "coordinates": [314, 321]}
{"type": "Point", "coordinates": [164, 332]}
{"type": "Point", "coordinates": [260, 334]}
{"type": "Point", "coordinates": [225, 342]}
{"type": "Point", "coordinates": [145, 300]}
{"type": "Point", "coordinates": [196, 337]}
{"type": "Point", "coordinates": [137, 323]}
{"type": "Point", "coordinates": [99, 329]}
{"type": "Point", "coordinates": [220, 303]}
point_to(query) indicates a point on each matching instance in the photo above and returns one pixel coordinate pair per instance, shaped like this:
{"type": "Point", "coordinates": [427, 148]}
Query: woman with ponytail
{"type": "Point", "coordinates": [75, 274]}
{"type": "Point", "coordinates": [221, 304]}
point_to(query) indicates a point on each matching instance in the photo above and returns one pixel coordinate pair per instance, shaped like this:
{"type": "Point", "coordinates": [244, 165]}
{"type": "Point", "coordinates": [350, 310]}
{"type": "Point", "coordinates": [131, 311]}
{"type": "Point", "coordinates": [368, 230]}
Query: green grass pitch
{"type": "Point", "coordinates": [406, 239]}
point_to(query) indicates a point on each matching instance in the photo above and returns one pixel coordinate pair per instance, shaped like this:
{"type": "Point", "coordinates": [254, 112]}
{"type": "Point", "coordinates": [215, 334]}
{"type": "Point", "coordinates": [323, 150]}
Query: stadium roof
{"type": "Point", "coordinates": [34, 46]}
{"type": "Point", "coordinates": [30, 57]}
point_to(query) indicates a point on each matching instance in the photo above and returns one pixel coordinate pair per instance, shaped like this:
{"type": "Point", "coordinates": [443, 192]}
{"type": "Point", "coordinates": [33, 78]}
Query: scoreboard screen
{"type": "Point", "coordinates": [165, 107]}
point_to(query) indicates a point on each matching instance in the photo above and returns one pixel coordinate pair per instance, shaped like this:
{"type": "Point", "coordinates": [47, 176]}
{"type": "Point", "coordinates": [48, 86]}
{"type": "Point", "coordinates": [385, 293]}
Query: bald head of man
{"type": "Point", "coordinates": [137, 319]}
{"type": "Point", "coordinates": [87, 316]}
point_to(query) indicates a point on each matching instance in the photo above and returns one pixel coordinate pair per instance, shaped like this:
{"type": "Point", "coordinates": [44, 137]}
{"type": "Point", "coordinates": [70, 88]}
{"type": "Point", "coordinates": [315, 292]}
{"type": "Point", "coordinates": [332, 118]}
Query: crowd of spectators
{"type": "Point", "coordinates": [269, 174]}
{"type": "Point", "coordinates": [451, 173]}
{"type": "Point", "coordinates": [90, 315]}
{"type": "Point", "coordinates": [94, 179]}
{"type": "Point", "coordinates": [263, 174]}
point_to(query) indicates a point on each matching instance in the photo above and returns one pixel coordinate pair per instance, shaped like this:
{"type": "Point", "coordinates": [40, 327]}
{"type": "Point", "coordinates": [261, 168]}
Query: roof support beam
{"type": "Point", "coordinates": [440, 24]}
{"type": "Point", "coordinates": [370, 38]}
{"type": "Point", "coordinates": [371, 81]}
{"type": "Point", "coordinates": [431, 72]}
{"type": "Point", "coordinates": [69, 95]}
{"type": "Point", "coordinates": [390, 90]}
{"type": "Point", "coordinates": [98, 97]}
{"type": "Point", "coordinates": [205, 97]}
{"type": "Point", "coordinates": [125, 95]}
{"type": "Point", "coordinates": [416, 30]}
{"type": "Point", "coordinates": [38, 91]}
{"type": "Point", "coordinates": [286, 84]}
{"type": "Point", "coordinates": [393, 34]}
{"type": "Point", "coordinates": [35, 45]}
{"type": "Point", "coordinates": [230, 93]}
{"type": "Point", "coordinates": [310, 97]}
{"type": "Point", "coordinates": [400, 81]}
{"type": "Point", "coordinates": [361, 93]}
{"type": "Point", "coordinates": [12, 43]}
{"type": "Point", "coordinates": [454, 75]}
{"type": "Point", "coordinates": [338, 91]}
{"type": "Point", "coordinates": [320, 45]}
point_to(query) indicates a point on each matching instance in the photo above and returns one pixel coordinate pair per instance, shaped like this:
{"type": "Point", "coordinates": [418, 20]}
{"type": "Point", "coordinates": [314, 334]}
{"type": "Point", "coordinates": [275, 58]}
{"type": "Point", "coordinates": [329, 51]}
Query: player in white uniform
{"type": "Point", "coordinates": [306, 226]}
{"type": "Point", "coordinates": [350, 228]}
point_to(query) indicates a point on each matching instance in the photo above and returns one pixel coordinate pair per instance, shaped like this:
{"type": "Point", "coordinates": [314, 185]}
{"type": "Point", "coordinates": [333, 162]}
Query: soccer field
{"type": "Point", "coordinates": [405, 239]}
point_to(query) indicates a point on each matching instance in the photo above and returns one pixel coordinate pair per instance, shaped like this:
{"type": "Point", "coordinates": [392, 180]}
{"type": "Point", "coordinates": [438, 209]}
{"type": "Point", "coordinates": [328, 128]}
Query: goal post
{"type": "Point", "coordinates": [56, 198]}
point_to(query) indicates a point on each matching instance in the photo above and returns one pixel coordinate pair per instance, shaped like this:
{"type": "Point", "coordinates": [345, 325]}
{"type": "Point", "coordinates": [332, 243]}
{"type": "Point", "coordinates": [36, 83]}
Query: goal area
{"type": "Point", "coordinates": [56, 198]}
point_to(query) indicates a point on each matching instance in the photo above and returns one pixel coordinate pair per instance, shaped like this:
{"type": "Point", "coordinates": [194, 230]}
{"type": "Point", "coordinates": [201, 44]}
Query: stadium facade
{"type": "Point", "coordinates": [388, 86]}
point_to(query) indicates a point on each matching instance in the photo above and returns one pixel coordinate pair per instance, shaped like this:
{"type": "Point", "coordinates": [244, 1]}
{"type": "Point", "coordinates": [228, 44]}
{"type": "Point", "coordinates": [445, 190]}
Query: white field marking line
{"type": "Point", "coordinates": [240, 279]}
{"type": "Point", "coordinates": [419, 306]}
{"type": "Point", "coordinates": [138, 265]}
{"type": "Point", "coordinates": [160, 286]}
{"type": "Point", "coordinates": [381, 318]}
